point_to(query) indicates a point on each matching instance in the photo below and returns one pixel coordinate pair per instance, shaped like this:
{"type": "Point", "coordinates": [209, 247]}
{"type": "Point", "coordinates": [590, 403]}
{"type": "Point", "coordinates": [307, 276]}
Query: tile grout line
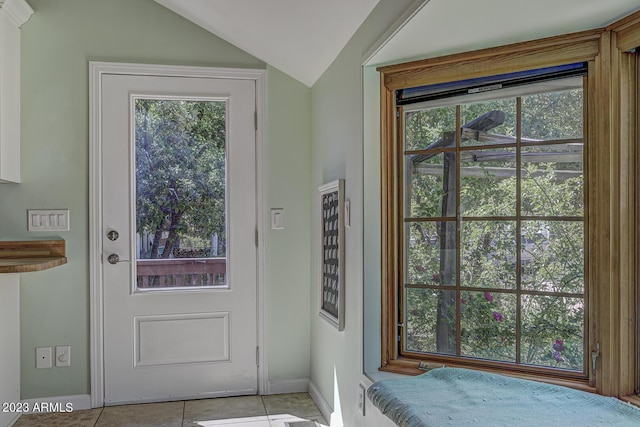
{"type": "Point", "coordinates": [264, 406]}
{"type": "Point", "coordinates": [98, 417]}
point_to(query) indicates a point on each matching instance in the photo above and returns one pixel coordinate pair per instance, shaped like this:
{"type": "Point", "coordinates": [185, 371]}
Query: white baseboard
{"type": "Point", "coordinates": [14, 420]}
{"type": "Point", "coordinates": [75, 402]}
{"type": "Point", "coordinates": [325, 409]}
{"type": "Point", "coordinates": [300, 385]}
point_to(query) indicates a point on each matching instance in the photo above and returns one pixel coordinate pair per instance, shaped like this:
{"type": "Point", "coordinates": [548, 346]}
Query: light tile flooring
{"type": "Point", "coordinates": [282, 410]}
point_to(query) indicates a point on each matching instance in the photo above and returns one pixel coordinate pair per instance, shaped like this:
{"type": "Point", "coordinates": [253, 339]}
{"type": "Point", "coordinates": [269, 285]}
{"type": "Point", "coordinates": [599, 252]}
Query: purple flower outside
{"type": "Point", "coordinates": [559, 346]}
{"type": "Point", "coordinates": [497, 316]}
{"type": "Point", "coordinates": [488, 296]}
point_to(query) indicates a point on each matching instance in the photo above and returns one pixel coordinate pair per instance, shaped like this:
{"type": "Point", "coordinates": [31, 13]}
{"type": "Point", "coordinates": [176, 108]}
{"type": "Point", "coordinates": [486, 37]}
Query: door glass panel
{"type": "Point", "coordinates": [180, 161]}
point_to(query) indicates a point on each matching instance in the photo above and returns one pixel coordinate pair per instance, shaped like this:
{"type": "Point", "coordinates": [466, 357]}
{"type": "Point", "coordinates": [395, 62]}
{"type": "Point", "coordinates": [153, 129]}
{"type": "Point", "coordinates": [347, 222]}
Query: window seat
{"type": "Point", "coordinates": [459, 397]}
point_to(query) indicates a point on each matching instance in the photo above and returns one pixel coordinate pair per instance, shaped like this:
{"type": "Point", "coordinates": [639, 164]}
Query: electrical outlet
{"type": "Point", "coordinates": [63, 355]}
{"type": "Point", "coordinates": [361, 398]}
{"type": "Point", "coordinates": [43, 357]}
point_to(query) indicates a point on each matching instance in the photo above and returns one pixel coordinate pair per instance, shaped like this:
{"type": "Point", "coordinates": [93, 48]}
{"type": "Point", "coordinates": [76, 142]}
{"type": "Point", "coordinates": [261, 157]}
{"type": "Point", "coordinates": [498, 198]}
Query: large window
{"type": "Point", "coordinates": [510, 211]}
{"type": "Point", "coordinates": [493, 237]}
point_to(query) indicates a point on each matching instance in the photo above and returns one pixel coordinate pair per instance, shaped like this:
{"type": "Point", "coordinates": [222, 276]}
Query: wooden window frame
{"type": "Point", "coordinates": [611, 211]}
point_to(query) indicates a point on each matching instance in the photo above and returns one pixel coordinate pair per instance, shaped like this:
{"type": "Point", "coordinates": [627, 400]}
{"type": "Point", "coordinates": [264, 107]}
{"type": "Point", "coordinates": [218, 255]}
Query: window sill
{"type": "Point", "coordinates": [634, 399]}
{"type": "Point", "coordinates": [410, 367]}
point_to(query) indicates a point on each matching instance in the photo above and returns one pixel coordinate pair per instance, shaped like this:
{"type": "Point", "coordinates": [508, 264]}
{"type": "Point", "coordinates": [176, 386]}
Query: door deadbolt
{"type": "Point", "coordinates": [113, 235]}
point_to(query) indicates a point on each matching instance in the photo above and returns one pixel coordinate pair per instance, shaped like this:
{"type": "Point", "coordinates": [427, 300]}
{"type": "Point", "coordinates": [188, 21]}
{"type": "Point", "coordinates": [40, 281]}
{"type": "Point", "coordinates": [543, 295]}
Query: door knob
{"type": "Point", "coordinates": [115, 258]}
{"type": "Point", "coordinates": [113, 235]}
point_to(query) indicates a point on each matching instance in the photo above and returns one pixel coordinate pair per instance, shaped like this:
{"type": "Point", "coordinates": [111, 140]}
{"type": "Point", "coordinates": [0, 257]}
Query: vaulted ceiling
{"type": "Point", "coordinates": [303, 37]}
{"type": "Point", "coordinates": [299, 37]}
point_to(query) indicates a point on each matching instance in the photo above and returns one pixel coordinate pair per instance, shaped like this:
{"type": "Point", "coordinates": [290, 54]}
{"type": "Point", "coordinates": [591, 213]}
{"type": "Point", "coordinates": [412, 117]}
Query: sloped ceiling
{"type": "Point", "coordinates": [443, 27]}
{"type": "Point", "coordinates": [303, 37]}
{"type": "Point", "coordinates": [299, 37]}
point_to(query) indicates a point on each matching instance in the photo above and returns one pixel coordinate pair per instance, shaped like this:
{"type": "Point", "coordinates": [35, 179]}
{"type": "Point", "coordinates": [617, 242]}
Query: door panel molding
{"type": "Point", "coordinates": [200, 330]}
{"type": "Point", "coordinates": [96, 71]}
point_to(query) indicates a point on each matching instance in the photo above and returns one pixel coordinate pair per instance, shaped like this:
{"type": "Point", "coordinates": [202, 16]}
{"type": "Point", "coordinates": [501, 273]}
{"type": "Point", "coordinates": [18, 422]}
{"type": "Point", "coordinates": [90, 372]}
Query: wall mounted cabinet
{"type": "Point", "coordinates": [13, 13]}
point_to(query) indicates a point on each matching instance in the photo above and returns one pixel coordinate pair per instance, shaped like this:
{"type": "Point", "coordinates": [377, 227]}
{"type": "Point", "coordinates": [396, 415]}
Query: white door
{"type": "Point", "coordinates": [178, 238]}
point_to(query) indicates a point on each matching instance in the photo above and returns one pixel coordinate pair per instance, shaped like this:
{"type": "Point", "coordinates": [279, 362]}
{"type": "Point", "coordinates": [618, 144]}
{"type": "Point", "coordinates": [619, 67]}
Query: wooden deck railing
{"type": "Point", "coordinates": [180, 272]}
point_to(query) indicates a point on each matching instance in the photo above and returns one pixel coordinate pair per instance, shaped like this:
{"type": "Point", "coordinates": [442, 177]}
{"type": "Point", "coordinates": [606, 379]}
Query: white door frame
{"type": "Point", "coordinates": [96, 71]}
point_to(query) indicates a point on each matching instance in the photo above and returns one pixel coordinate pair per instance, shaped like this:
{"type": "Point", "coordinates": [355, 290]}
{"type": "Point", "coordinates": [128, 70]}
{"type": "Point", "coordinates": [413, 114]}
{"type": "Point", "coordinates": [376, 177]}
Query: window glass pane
{"type": "Point", "coordinates": [488, 325]}
{"type": "Point", "coordinates": [552, 256]}
{"type": "Point", "coordinates": [514, 226]}
{"type": "Point", "coordinates": [180, 193]}
{"type": "Point", "coordinates": [489, 122]}
{"type": "Point", "coordinates": [553, 180]}
{"type": "Point", "coordinates": [488, 182]}
{"type": "Point", "coordinates": [553, 115]}
{"type": "Point", "coordinates": [431, 321]}
{"type": "Point", "coordinates": [431, 253]}
{"type": "Point", "coordinates": [430, 128]}
{"type": "Point", "coordinates": [552, 331]}
{"type": "Point", "coordinates": [488, 254]}
{"type": "Point", "coordinates": [432, 189]}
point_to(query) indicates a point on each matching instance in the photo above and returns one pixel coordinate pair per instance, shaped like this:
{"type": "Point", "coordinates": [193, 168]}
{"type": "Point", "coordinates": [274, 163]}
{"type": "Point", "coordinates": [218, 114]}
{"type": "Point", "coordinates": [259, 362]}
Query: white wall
{"type": "Point", "coordinates": [337, 152]}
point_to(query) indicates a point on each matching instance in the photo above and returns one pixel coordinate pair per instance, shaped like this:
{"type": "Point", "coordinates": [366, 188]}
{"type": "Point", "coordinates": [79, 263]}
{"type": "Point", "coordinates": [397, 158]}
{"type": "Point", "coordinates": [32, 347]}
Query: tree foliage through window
{"type": "Point", "coordinates": [494, 230]}
{"type": "Point", "coordinates": [180, 176]}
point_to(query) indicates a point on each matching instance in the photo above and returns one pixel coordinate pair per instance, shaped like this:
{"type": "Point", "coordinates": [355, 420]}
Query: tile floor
{"type": "Point", "coordinates": [282, 410]}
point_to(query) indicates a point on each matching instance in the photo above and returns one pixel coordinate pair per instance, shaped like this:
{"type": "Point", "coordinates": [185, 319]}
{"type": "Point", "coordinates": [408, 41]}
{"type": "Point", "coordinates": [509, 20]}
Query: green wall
{"type": "Point", "coordinates": [288, 175]}
{"type": "Point", "coordinates": [57, 43]}
{"type": "Point", "coordinates": [338, 144]}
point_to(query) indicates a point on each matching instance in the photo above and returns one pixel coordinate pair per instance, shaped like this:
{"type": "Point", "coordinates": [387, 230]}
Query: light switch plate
{"type": "Point", "coordinates": [347, 213]}
{"type": "Point", "coordinates": [63, 355]}
{"type": "Point", "coordinates": [48, 220]}
{"type": "Point", "coordinates": [277, 219]}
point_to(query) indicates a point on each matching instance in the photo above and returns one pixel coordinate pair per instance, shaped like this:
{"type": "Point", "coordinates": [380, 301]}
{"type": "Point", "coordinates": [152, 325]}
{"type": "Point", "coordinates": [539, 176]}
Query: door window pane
{"type": "Point", "coordinates": [180, 163]}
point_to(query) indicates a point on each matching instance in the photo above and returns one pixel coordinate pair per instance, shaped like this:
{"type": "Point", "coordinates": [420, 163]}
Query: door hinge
{"type": "Point", "coordinates": [255, 119]}
{"type": "Point", "coordinates": [594, 356]}
{"type": "Point", "coordinates": [258, 356]}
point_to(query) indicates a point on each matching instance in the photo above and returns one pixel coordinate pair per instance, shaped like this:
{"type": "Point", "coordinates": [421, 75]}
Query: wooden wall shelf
{"type": "Point", "coordinates": [31, 255]}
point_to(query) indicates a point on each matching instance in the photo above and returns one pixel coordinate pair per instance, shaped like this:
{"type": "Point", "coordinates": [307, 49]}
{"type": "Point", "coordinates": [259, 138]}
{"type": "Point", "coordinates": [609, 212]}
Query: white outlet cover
{"type": "Point", "coordinates": [43, 357]}
{"type": "Point", "coordinates": [362, 398]}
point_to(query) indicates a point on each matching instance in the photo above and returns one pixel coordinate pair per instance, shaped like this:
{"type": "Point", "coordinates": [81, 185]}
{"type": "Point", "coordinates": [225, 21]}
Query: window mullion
{"type": "Point", "coordinates": [458, 232]}
{"type": "Point", "coordinates": [518, 230]}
